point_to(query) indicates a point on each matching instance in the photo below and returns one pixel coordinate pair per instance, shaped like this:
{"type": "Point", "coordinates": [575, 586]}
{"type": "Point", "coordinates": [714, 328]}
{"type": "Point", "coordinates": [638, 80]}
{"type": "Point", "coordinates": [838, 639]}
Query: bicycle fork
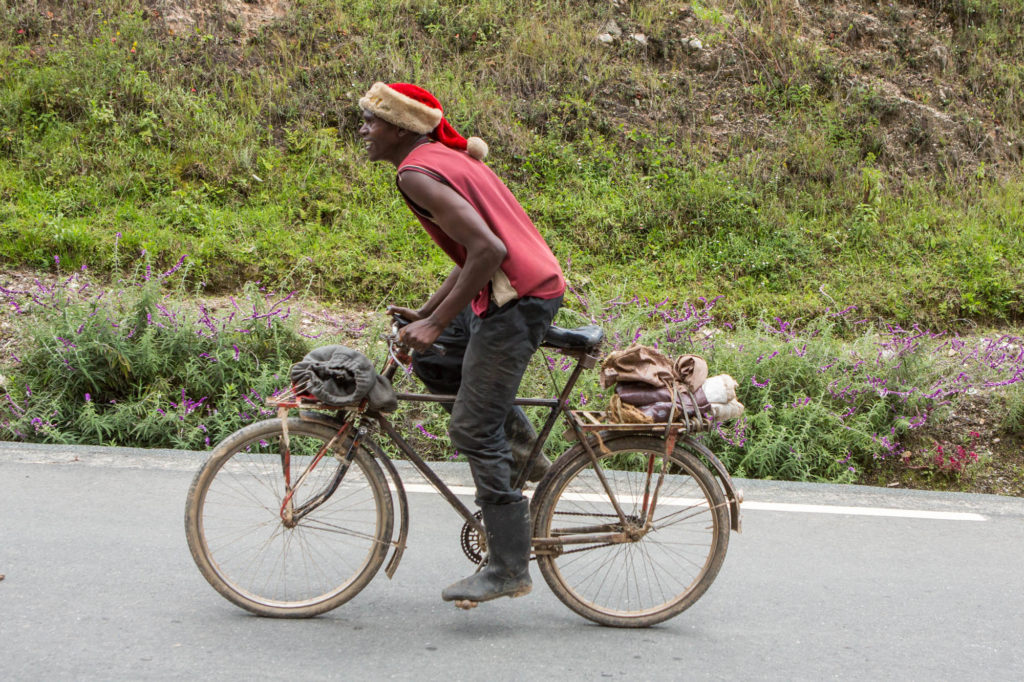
{"type": "Point", "coordinates": [290, 515]}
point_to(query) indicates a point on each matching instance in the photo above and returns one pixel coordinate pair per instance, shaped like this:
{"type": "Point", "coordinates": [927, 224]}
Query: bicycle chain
{"type": "Point", "coordinates": [589, 547]}
{"type": "Point", "coordinates": [586, 514]}
{"type": "Point", "coordinates": [607, 544]}
{"type": "Point", "coordinates": [584, 549]}
{"type": "Point", "coordinates": [473, 548]}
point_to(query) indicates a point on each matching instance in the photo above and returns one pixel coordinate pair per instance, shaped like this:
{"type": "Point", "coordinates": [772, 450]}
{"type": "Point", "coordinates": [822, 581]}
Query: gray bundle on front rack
{"type": "Point", "coordinates": [337, 375]}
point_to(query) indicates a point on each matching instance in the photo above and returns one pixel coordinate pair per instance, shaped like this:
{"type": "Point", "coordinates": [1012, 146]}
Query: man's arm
{"type": "Point", "coordinates": [484, 255]}
{"type": "Point", "coordinates": [432, 303]}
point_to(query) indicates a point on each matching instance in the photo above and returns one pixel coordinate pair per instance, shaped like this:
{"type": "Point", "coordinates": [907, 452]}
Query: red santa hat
{"type": "Point", "coordinates": [413, 108]}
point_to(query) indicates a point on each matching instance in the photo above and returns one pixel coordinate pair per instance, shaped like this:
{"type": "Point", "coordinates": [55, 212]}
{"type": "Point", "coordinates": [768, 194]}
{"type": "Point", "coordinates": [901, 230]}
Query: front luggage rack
{"type": "Point", "coordinates": [290, 398]}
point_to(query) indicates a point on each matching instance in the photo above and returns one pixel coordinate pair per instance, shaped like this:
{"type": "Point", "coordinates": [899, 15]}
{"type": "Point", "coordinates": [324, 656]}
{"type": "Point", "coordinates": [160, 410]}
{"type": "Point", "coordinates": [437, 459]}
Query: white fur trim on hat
{"type": "Point", "coordinates": [402, 111]}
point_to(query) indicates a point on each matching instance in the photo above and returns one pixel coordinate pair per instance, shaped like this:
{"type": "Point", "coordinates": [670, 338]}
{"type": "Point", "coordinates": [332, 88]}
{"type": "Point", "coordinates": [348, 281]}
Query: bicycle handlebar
{"type": "Point", "coordinates": [398, 322]}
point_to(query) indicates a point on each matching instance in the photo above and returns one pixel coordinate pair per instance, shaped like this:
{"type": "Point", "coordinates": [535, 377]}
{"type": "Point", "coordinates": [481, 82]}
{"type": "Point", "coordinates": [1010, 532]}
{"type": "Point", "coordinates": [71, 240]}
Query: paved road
{"type": "Point", "coordinates": [100, 585]}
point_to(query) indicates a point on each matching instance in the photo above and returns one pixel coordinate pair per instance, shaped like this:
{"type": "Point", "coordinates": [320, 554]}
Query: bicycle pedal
{"type": "Point", "coordinates": [466, 604]}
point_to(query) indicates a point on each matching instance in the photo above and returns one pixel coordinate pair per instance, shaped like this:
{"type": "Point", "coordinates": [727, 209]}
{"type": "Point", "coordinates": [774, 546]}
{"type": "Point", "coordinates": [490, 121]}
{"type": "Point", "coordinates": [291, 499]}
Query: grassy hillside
{"type": "Point", "coordinates": [787, 155]}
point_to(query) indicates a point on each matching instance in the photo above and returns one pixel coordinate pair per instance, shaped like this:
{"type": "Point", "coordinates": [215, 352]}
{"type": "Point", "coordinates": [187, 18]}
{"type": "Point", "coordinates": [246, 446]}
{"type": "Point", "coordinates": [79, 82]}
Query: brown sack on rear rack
{"type": "Point", "coordinates": [646, 365]}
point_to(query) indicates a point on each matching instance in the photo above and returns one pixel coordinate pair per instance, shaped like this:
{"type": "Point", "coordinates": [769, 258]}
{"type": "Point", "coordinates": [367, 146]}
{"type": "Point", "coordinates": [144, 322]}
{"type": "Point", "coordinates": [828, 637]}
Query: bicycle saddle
{"type": "Point", "coordinates": [581, 338]}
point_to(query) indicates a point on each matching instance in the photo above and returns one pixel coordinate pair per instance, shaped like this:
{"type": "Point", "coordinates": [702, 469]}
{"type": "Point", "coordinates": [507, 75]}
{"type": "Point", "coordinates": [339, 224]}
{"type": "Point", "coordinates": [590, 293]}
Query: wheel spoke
{"type": "Point", "coordinates": [660, 572]}
{"type": "Point", "coordinates": [243, 546]}
{"type": "Point", "coordinates": [331, 528]}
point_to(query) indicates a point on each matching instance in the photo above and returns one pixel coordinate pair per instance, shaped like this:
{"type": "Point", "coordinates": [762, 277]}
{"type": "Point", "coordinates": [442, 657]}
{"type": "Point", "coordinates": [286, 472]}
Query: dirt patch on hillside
{"type": "Point", "coordinates": [918, 104]}
{"type": "Point", "coordinates": [904, 58]}
{"type": "Point", "coordinates": [942, 455]}
{"type": "Point", "coordinates": [244, 17]}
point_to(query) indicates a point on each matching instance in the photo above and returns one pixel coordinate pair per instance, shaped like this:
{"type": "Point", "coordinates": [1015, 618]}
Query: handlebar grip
{"type": "Point", "coordinates": [401, 322]}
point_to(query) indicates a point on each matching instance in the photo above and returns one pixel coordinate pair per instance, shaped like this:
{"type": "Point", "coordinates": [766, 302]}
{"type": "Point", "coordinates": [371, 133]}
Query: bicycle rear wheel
{"type": "Point", "coordinates": [252, 557]}
{"type": "Point", "coordinates": [653, 577]}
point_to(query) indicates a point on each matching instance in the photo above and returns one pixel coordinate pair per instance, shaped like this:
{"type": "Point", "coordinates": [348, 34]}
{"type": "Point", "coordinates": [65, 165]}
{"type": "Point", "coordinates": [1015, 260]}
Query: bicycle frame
{"type": "Point", "coordinates": [556, 406]}
{"type": "Point", "coordinates": [623, 531]}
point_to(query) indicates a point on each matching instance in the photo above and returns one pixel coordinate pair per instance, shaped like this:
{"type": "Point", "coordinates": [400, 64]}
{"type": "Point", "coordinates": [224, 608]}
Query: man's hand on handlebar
{"type": "Point", "coordinates": [420, 335]}
{"type": "Point", "coordinates": [415, 330]}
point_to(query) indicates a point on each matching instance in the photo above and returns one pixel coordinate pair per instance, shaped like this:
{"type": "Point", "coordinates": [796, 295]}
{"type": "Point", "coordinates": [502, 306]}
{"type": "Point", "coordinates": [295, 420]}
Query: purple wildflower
{"type": "Point", "coordinates": [177, 266]}
{"type": "Point", "coordinates": [428, 434]}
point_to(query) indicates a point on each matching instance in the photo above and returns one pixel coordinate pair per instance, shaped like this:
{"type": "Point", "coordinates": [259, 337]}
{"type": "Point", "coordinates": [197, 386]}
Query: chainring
{"type": "Point", "coordinates": [474, 546]}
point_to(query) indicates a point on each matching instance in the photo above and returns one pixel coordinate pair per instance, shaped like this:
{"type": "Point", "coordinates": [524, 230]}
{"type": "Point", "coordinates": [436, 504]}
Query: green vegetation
{"type": "Point", "coordinates": [130, 366]}
{"type": "Point", "coordinates": [798, 151]}
{"type": "Point", "coordinates": [126, 366]}
{"type": "Point", "coordinates": [792, 158]}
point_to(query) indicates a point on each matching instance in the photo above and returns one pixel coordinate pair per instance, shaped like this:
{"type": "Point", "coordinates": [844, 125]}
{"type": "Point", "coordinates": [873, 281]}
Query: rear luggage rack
{"type": "Point", "coordinates": [597, 421]}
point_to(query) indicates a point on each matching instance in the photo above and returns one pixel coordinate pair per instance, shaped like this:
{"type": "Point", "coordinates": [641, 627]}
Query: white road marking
{"type": "Point", "coordinates": [862, 511]}
{"type": "Point", "coordinates": [752, 505]}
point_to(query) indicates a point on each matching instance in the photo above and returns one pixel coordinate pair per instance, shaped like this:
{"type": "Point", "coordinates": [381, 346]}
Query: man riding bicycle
{"type": "Point", "coordinates": [491, 312]}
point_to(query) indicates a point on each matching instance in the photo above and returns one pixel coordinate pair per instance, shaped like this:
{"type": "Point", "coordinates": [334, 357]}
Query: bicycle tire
{"type": "Point", "coordinates": [652, 579]}
{"type": "Point", "coordinates": [245, 551]}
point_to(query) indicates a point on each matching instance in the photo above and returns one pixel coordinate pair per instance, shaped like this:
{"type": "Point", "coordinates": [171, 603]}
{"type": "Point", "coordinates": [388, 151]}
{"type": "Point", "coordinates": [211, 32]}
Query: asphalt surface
{"type": "Point", "coordinates": [100, 585]}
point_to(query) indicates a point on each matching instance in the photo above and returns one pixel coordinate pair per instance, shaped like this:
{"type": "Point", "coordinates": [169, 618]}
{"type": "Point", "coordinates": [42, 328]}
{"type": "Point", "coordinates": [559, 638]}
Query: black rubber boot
{"type": "Point", "coordinates": [521, 437]}
{"type": "Point", "coordinates": [507, 573]}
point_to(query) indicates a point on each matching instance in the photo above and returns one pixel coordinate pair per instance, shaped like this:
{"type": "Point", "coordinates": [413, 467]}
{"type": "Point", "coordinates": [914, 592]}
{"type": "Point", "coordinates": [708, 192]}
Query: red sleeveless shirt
{"type": "Point", "coordinates": [530, 266]}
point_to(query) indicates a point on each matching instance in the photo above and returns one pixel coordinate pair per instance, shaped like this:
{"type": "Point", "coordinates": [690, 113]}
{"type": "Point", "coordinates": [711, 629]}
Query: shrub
{"type": "Point", "coordinates": [127, 366]}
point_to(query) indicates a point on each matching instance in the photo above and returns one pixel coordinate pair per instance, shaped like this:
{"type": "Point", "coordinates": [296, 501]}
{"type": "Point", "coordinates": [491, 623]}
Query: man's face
{"type": "Point", "coordinates": [379, 136]}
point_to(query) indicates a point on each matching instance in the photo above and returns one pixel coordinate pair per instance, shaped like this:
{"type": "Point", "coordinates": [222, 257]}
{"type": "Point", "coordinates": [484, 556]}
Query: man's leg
{"type": "Point", "coordinates": [443, 374]}
{"type": "Point", "coordinates": [496, 358]}
{"type": "Point", "coordinates": [521, 436]}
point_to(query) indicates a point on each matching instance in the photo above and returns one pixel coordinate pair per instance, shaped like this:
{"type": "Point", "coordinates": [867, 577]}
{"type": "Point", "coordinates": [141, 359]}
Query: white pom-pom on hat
{"type": "Point", "coordinates": [476, 148]}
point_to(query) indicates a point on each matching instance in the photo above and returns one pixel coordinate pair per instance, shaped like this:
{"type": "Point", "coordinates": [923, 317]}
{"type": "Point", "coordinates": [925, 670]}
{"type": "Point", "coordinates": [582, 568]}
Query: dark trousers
{"type": "Point", "coordinates": [483, 366]}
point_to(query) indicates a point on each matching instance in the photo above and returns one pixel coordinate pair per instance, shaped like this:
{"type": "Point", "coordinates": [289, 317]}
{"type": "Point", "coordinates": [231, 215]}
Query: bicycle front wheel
{"type": "Point", "coordinates": [248, 553]}
{"type": "Point", "coordinates": [665, 567]}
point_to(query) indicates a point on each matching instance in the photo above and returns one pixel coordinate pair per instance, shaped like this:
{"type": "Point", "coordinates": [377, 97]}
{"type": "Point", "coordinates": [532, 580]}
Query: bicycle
{"type": "Point", "coordinates": [295, 547]}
